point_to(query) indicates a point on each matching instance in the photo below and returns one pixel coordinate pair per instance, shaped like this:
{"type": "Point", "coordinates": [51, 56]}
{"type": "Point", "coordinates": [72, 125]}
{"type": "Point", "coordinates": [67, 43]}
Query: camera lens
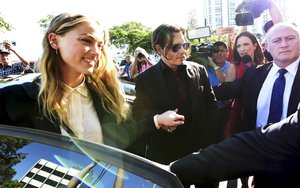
{"type": "Point", "coordinates": [140, 56]}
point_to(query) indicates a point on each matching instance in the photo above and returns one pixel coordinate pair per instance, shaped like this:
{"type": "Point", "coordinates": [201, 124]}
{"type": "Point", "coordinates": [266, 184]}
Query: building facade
{"type": "Point", "coordinates": [221, 13]}
{"type": "Point", "coordinates": [46, 174]}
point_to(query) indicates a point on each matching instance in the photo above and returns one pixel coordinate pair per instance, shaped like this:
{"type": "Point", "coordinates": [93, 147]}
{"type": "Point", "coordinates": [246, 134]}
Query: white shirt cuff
{"type": "Point", "coordinates": [157, 125]}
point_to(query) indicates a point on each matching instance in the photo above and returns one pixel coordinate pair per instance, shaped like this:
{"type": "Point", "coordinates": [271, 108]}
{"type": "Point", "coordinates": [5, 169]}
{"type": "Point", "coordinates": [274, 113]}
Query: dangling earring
{"type": "Point", "coordinates": [51, 42]}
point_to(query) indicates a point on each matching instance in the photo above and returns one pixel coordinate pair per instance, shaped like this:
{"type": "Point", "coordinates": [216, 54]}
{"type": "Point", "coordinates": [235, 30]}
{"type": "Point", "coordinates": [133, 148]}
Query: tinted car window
{"type": "Point", "coordinates": [50, 160]}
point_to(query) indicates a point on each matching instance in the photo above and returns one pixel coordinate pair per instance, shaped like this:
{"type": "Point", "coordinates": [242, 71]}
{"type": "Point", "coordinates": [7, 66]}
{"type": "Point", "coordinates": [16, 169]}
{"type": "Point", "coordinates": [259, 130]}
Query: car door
{"type": "Point", "coordinates": [34, 158]}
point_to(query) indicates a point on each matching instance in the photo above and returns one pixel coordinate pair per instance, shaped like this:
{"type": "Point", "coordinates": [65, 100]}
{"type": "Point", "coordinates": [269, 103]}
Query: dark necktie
{"type": "Point", "coordinates": [275, 111]}
{"type": "Point", "coordinates": [181, 90]}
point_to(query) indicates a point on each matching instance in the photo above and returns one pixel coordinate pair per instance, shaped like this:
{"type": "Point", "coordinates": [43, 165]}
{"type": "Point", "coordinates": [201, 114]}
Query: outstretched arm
{"type": "Point", "coordinates": [274, 12]}
{"type": "Point", "coordinates": [269, 149]}
{"type": "Point", "coordinates": [8, 46]}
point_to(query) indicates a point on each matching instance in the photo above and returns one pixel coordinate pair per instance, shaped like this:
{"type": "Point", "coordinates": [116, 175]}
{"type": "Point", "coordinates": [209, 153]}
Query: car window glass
{"type": "Point", "coordinates": [31, 164]}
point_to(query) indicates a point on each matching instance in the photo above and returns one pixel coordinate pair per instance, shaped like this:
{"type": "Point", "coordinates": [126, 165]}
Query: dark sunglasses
{"type": "Point", "coordinates": [176, 47]}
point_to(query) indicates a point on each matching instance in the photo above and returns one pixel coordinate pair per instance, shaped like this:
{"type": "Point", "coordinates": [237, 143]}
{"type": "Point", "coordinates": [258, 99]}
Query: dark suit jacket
{"type": "Point", "coordinates": [272, 151]}
{"type": "Point", "coordinates": [153, 97]}
{"type": "Point", "coordinates": [18, 107]}
{"type": "Point", "coordinates": [248, 88]}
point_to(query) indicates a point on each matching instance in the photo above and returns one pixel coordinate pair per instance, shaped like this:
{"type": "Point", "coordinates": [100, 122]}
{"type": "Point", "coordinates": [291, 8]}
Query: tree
{"type": "Point", "coordinates": [131, 34]}
{"type": "Point", "coordinates": [9, 157]}
{"type": "Point", "coordinates": [192, 21]}
{"type": "Point", "coordinates": [5, 25]}
{"type": "Point", "coordinates": [44, 22]}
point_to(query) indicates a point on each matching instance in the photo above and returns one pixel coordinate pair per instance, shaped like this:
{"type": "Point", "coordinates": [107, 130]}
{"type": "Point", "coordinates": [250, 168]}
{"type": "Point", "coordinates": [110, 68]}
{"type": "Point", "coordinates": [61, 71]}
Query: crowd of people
{"type": "Point", "coordinates": [141, 62]}
{"type": "Point", "coordinates": [208, 122]}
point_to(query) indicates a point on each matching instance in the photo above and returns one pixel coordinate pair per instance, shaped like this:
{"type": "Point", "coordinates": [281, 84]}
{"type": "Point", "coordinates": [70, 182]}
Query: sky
{"type": "Point", "coordinates": [28, 34]}
{"type": "Point", "coordinates": [24, 14]}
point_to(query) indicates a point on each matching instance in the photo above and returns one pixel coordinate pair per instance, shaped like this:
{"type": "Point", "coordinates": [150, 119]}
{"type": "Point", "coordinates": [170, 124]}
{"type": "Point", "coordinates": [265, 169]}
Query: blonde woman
{"type": "Point", "coordinates": [78, 93]}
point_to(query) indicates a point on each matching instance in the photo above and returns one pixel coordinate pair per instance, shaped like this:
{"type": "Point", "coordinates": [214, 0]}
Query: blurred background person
{"type": "Point", "coordinates": [217, 72]}
{"type": "Point", "coordinates": [8, 67]}
{"type": "Point", "coordinates": [126, 68]}
{"type": "Point", "coordinates": [142, 61]}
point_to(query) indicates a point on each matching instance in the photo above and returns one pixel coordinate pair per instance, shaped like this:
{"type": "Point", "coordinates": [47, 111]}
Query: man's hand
{"type": "Point", "coordinates": [170, 120]}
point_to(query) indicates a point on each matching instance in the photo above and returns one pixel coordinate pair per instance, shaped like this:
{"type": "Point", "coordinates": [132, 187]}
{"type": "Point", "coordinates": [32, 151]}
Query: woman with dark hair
{"type": "Point", "coordinates": [247, 53]}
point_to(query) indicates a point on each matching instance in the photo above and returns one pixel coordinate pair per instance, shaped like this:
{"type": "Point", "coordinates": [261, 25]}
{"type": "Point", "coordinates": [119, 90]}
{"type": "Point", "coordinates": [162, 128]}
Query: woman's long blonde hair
{"type": "Point", "coordinates": [103, 80]}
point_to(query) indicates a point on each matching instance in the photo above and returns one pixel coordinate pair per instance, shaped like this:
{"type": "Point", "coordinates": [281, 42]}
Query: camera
{"type": "Point", "coordinates": [248, 10]}
{"type": "Point", "coordinates": [200, 54]}
{"type": "Point", "coordinates": [140, 56]}
{"type": "Point", "coordinates": [205, 49]}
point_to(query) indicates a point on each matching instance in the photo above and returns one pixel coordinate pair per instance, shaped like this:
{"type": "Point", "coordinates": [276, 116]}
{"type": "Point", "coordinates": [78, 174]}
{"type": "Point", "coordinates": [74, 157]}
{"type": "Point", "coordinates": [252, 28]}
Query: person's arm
{"type": "Point", "coordinates": [134, 69]}
{"type": "Point", "coordinates": [213, 127]}
{"type": "Point", "coordinates": [218, 71]}
{"type": "Point", "coordinates": [229, 90]}
{"type": "Point", "coordinates": [230, 74]}
{"type": "Point", "coordinates": [275, 12]}
{"type": "Point", "coordinates": [122, 73]}
{"type": "Point", "coordinates": [9, 47]}
{"type": "Point", "coordinates": [150, 61]}
{"type": "Point", "coordinates": [244, 154]}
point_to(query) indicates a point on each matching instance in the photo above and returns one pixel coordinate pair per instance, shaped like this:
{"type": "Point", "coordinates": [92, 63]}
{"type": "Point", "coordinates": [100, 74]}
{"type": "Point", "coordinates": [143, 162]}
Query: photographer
{"type": "Point", "coordinates": [218, 65]}
{"type": "Point", "coordinates": [141, 62]}
{"type": "Point", "coordinates": [7, 67]}
{"type": "Point", "coordinates": [217, 70]}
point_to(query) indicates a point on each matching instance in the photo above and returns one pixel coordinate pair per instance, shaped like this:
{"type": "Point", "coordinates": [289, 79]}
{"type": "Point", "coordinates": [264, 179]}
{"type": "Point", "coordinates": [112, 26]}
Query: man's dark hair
{"type": "Point", "coordinates": [268, 25]}
{"type": "Point", "coordinates": [220, 43]}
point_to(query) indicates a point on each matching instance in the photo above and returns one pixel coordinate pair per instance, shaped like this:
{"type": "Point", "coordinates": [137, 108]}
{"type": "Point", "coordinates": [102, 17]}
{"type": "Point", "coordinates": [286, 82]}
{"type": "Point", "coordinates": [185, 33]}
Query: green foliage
{"type": "Point", "coordinates": [9, 156]}
{"type": "Point", "coordinates": [11, 184]}
{"type": "Point", "coordinates": [5, 25]}
{"type": "Point", "coordinates": [133, 35]}
{"type": "Point", "coordinates": [44, 22]}
{"type": "Point", "coordinates": [208, 40]}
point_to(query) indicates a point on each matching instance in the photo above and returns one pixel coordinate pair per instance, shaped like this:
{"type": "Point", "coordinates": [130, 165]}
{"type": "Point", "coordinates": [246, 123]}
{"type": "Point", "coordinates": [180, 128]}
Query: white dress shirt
{"type": "Point", "coordinates": [264, 97]}
{"type": "Point", "coordinates": [81, 113]}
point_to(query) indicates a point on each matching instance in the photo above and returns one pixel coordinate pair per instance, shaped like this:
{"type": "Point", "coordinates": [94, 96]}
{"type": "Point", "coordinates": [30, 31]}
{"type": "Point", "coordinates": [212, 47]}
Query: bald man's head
{"type": "Point", "coordinates": [283, 44]}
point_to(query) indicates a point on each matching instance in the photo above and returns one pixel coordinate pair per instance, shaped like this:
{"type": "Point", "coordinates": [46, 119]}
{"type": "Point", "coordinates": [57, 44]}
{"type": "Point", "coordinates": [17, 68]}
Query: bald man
{"type": "Point", "coordinates": [271, 153]}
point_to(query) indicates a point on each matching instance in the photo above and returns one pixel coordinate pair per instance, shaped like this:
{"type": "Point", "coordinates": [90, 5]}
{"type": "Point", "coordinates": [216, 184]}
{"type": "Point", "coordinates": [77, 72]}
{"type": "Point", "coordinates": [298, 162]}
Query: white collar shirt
{"type": "Point", "coordinates": [82, 116]}
{"type": "Point", "coordinates": [264, 98]}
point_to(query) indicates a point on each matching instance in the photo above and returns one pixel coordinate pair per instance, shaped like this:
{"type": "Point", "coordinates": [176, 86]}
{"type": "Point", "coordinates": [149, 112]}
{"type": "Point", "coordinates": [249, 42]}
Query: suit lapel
{"type": "Point", "coordinates": [161, 84]}
{"type": "Point", "coordinates": [193, 80]}
{"type": "Point", "coordinates": [295, 94]}
{"type": "Point", "coordinates": [260, 78]}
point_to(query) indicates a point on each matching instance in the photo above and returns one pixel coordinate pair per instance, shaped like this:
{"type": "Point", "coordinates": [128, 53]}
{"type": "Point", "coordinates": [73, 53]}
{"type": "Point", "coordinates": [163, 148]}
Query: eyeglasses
{"type": "Point", "coordinates": [176, 47]}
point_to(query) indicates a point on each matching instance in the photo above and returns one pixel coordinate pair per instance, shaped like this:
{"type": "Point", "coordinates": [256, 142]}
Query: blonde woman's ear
{"type": "Point", "coordinates": [52, 38]}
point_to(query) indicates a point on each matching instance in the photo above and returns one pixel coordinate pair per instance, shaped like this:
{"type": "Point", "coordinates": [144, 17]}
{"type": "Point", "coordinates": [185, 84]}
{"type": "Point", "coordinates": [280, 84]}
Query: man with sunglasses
{"type": "Point", "coordinates": [175, 106]}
